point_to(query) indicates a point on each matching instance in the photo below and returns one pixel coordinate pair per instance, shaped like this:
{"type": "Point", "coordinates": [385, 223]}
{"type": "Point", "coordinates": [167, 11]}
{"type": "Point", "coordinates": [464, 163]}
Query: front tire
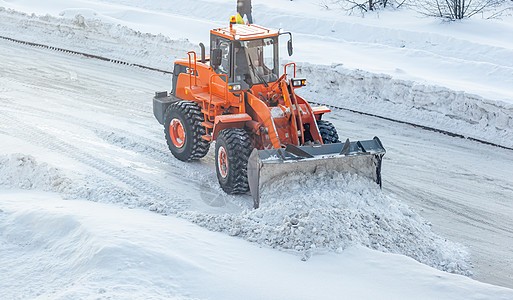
{"type": "Point", "coordinates": [233, 147]}
{"type": "Point", "coordinates": [328, 132]}
{"type": "Point", "coordinates": [183, 130]}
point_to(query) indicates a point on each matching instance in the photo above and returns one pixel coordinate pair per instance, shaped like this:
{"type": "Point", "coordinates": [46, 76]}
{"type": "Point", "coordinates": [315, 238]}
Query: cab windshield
{"type": "Point", "coordinates": [256, 61]}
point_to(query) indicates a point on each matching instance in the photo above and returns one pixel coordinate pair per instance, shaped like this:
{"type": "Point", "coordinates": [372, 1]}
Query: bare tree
{"type": "Point", "coordinates": [362, 6]}
{"type": "Point", "coordinates": [455, 9]}
{"type": "Point", "coordinates": [447, 9]}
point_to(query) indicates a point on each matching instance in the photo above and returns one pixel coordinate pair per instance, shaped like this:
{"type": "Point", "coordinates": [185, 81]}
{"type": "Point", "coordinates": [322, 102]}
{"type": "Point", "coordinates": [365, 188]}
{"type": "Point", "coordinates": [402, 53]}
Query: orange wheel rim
{"type": "Point", "coordinates": [177, 133]}
{"type": "Point", "coordinates": [222, 162]}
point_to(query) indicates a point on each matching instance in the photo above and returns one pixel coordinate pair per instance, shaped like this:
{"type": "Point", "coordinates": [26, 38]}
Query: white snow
{"type": "Point", "coordinates": [325, 236]}
{"type": "Point", "coordinates": [57, 249]}
{"type": "Point", "coordinates": [454, 97]}
{"type": "Point", "coordinates": [329, 211]}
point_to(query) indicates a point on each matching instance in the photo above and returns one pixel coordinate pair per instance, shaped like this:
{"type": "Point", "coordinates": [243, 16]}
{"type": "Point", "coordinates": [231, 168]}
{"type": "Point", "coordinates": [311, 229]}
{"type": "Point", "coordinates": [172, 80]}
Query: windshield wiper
{"type": "Point", "coordinates": [257, 74]}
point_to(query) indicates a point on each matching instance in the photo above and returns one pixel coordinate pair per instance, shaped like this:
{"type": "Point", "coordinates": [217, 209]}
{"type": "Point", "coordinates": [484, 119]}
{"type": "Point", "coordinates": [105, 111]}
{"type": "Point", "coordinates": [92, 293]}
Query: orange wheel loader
{"type": "Point", "coordinates": [262, 129]}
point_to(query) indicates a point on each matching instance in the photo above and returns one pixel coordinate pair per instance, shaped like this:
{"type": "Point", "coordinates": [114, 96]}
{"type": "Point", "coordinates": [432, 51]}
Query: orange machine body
{"type": "Point", "coordinates": [270, 111]}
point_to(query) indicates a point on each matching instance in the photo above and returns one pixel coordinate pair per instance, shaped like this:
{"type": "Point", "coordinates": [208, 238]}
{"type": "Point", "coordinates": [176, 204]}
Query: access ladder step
{"type": "Point", "coordinates": [208, 124]}
{"type": "Point", "coordinates": [212, 99]}
{"type": "Point", "coordinates": [207, 137]}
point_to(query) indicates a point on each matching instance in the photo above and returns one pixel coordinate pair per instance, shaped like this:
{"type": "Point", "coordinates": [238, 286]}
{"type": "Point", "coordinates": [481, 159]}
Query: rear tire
{"type": "Point", "coordinates": [328, 132]}
{"type": "Point", "coordinates": [233, 147]}
{"type": "Point", "coordinates": [183, 130]}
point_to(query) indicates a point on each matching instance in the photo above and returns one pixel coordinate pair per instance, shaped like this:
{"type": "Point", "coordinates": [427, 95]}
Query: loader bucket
{"type": "Point", "coordinates": [360, 157]}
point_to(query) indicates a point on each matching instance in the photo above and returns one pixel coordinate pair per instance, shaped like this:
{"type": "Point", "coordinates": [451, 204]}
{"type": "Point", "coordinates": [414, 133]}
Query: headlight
{"type": "Point", "coordinates": [234, 87]}
{"type": "Point", "coordinates": [298, 82]}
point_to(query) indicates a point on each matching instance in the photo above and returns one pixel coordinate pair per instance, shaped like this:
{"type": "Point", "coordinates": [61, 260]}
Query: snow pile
{"type": "Point", "coordinates": [85, 32]}
{"type": "Point", "coordinates": [432, 106]}
{"type": "Point", "coordinates": [21, 171]}
{"type": "Point", "coordinates": [39, 242]}
{"type": "Point", "coordinates": [52, 255]}
{"type": "Point", "coordinates": [304, 214]}
{"type": "Point", "coordinates": [54, 249]}
{"type": "Point", "coordinates": [25, 172]}
{"type": "Point", "coordinates": [330, 211]}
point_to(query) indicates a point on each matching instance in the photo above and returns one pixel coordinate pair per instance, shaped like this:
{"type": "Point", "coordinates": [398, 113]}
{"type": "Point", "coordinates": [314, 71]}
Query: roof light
{"type": "Point", "coordinates": [233, 20]}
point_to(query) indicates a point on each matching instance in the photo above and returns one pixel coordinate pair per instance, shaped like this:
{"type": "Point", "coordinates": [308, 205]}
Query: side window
{"type": "Point", "coordinates": [225, 61]}
{"type": "Point", "coordinates": [224, 45]}
{"type": "Point", "coordinates": [268, 53]}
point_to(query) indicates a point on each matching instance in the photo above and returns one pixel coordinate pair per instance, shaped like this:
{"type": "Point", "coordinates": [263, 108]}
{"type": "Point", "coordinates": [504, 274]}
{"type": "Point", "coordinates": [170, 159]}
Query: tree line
{"type": "Point", "coordinates": [445, 9]}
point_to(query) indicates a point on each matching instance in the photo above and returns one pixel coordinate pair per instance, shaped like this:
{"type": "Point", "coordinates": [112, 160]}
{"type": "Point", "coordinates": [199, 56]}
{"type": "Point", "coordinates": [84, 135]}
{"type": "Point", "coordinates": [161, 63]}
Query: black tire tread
{"type": "Point", "coordinates": [238, 146]}
{"type": "Point", "coordinates": [192, 114]}
{"type": "Point", "coordinates": [328, 132]}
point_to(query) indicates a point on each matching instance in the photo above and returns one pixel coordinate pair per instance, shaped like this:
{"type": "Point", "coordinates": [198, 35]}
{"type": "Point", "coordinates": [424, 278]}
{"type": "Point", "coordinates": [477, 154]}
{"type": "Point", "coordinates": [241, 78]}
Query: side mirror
{"type": "Point", "coordinates": [215, 58]}
{"type": "Point", "coordinates": [289, 47]}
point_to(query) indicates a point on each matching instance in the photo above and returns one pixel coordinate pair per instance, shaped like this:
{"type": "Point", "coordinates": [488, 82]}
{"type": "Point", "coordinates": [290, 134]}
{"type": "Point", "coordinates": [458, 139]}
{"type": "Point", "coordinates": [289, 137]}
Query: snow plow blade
{"type": "Point", "coordinates": [360, 157]}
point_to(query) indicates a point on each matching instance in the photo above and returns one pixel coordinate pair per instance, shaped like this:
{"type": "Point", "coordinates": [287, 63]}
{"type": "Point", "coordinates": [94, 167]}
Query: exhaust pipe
{"type": "Point", "coordinates": [203, 59]}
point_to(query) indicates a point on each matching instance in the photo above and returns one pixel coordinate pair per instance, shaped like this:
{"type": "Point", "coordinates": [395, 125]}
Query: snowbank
{"type": "Point", "coordinates": [94, 36]}
{"type": "Point", "coordinates": [25, 172]}
{"type": "Point", "coordinates": [57, 249]}
{"type": "Point", "coordinates": [433, 106]}
{"type": "Point", "coordinates": [327, 212]}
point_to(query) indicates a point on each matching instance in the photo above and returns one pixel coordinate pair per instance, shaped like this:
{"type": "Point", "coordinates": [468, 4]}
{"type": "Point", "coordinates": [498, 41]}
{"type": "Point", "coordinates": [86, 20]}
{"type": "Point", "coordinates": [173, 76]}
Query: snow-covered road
{"type": "Point", "coordinates": [95, 116]}
{"type": "Point", "coordinates": [396, 97]}
{"type": "Point", "coordinates": [464, 188]}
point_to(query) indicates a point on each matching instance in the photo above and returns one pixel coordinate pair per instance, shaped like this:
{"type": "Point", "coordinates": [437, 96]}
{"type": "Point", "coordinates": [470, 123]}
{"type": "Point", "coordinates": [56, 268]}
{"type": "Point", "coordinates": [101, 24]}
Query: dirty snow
{"type": "Point", "coordinates": [303, 214]}
{"type": "Point", "coordinates": [330, 211]}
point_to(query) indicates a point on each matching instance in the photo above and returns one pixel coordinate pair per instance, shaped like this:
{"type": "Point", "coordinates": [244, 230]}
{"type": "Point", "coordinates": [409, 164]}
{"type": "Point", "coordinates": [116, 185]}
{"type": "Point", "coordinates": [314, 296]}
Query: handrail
{"type": "Point", "coordinates": [191, 70]}
{"type": "Point", "coordinates": [294, 64]}
{"type": "Point", "coordinates": [210, 83]}
{"type": "Point", "coordinates": [288, 102]}
{"type": "Point", "coordinates": [298, 110]}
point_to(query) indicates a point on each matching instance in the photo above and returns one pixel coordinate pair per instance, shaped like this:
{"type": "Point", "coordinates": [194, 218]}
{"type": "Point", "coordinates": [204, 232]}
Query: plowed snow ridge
{"type": "Point", "coordinates": [23, 171]}
{"type": "Point", "coordinates": [330, 211]}
{"type": "Point", "coordinates": [326, 212]}
{"type": "Point", "coordinates": [380, 94]}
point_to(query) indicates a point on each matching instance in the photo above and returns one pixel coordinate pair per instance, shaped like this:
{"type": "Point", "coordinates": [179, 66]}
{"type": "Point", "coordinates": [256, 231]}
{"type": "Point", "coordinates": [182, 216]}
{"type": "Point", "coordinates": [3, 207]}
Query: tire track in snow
{"type": "Point", "coordinates": [476, 217]}
{"type": "Point", "coordinates": [20, 129]}
{"type": "Point", "coordinates": [127, 140]}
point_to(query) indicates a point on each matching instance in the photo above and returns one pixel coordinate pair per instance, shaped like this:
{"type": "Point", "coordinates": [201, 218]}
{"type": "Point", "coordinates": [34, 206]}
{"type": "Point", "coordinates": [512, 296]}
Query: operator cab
{"type": "Point", "coordinates": [247, 54]}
